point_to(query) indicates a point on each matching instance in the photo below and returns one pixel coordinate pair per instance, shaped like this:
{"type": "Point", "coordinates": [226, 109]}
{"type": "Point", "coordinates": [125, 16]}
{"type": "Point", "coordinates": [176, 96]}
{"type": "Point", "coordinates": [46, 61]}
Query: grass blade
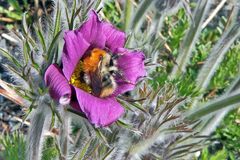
{"type": "Point", "coordinates": [50, 53]}
{"type": "Point", "coordinates": [108, 154]}
{"type": "Point", "coordinates": [217, 55]}
{"type": "Point", "coordinates": [191, 37]}
{"type": "Point", "coordinates": [57, 26]}
{"type": "Point", "coordinates": [41, 39]}
{"type": "Point", "coordinates": [144, 6]}
{"type": "Point", "coordinates": [101, 136]}
{"type": "Point", "coordinates": [216, 105]}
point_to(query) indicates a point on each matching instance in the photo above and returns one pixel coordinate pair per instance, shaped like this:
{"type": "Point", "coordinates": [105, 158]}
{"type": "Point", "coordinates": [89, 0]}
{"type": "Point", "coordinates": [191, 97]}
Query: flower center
{"type": "Point", "coordinates": [96, 73]}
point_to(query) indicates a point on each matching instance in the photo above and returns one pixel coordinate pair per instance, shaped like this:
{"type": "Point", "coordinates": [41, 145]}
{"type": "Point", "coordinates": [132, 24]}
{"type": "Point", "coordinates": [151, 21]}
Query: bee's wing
{"type": "Point", "coordinates": [96, 81]}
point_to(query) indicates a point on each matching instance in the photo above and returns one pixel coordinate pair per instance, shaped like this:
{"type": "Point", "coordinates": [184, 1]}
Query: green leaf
{"type": "Point", "coordinates": [141, 10]}
{"type": "Point", "coordinates": [42, 40]}
{"type": "Point", "coordinates": [25, 3]}
{"type": "Point", "coordinates": [216, 56]}
{"type": "Point", "coordinates": [67, 16]}
{"type": "Point", "coordinates": [49, 152]}
{"type": "Point", "coordinates": [191, 37]}
{"type": "Point", "coordinates": [84, 150]}
{"type": "Point", "coordinates": [108, 154]}
{"type": "Point", "coordinates": [50, 53]}
{"type": "Point", "coordinates": [10, 14]}
{"type": "Point", "coordinates": [26, 51]}
{"type": "Point", "coordinates": [15, 5]}
{"type": "Point", "coordinates": [127, 126]}
{"type": "Point", "coordinates": [14, 146]}
{"type": "Point", "coordinates": [57, 26]}
{"type": "Point", "coordinates": [213, 106]}
{"type": "Point", "coordinates": [138, 106]}
{"type": "Point", "coordinates": [34, 64]}
{"type": "Point", "coordinates": [26, 31]}
{"type": "Point", "coordinates": [220, 155]}
{"type": "Point", "coordinates": [101, 136]}
{"type": "Point", "coordinates": [97, 4]}
{"type": "Point", "coordinates": [77, 12]}
{"type": "Point", "coordinates": [73, 15]}
{"type": "Point", "coordinates": [10, 57]}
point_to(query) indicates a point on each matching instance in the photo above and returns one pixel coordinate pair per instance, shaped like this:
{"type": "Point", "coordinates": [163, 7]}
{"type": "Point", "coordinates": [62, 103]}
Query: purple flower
{"type": "Point", "coordinates": [95, 69]}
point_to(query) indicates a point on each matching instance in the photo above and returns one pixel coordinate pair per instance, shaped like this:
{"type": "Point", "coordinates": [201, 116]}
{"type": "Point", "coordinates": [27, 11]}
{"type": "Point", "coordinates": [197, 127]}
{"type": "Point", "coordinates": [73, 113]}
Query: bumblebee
{"type": "Point", "coordinates": [102, 80]}
{"type": "Point", "coordinates": [97, 73]}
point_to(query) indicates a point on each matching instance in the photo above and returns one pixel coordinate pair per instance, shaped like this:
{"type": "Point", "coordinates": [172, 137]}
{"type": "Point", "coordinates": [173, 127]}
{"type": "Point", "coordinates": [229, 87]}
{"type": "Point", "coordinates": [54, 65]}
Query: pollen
{"type": "Point", "coordinates": [76, 78]}
{"type": "Point", "coordinates": [91, 62]}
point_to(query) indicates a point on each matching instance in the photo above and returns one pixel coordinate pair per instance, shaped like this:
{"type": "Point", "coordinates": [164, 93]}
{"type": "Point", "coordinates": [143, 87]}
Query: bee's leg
{"type": "Point", "coordinates": [115, 73]}
{"type": "Point", "coordinates": [87, 79]}
{"type": "Point", "coordinates": [121, 76]}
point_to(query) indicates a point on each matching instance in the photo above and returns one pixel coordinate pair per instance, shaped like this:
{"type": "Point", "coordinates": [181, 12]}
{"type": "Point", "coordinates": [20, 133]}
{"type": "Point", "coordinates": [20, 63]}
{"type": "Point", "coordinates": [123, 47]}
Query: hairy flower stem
{"type": "Point", "coordinates": [144, 145]}
{"type": "Point", "coordinates": [127, 14]}
{"type": "Point", "coordinates": [39, 122]}
{"type": "Point", "coordinates": [64, 132]}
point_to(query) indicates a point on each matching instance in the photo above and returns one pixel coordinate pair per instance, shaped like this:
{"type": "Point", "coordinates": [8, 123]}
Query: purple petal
{"type": "Point", "coordinates": [131, 63]}
{"type": "Point", "coordinates": [100, 111]}
{"type": "Point", "coordinates": [74, 48]}
{"type": "Point", "coordinates": [92, 31]}
{"type": "Point", "coordinates": [114, 37]}
{"type": "Point", "coordinates": [59, 88]}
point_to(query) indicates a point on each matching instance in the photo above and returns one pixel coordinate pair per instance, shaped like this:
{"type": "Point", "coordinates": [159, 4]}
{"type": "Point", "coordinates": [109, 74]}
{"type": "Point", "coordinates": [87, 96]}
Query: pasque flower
{"type": "Point", "coordinates": [95, 69]}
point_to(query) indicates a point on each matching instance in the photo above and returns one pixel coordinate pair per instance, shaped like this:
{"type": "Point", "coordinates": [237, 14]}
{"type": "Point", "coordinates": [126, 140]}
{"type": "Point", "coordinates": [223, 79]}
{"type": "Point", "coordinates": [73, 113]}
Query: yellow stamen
{"type": "Point", "coordinates": [75, 79]}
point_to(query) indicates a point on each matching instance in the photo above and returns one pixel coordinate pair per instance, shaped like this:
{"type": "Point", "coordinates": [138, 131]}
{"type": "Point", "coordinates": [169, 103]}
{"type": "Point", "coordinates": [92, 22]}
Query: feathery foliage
{"type": "Point", "coordinates": [163, 118]}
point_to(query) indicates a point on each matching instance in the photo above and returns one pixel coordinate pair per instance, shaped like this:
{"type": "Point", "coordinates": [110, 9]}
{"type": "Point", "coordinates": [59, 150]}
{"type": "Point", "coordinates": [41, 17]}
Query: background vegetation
{"type": "Point", "coordinates": [224, 142]}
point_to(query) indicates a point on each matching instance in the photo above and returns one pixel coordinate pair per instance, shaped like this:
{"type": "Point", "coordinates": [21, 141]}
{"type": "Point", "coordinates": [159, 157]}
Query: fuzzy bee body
{"type": "Point", "coordinates": [102, 80]}
{"type": "Point", "coordinates": [96, 73]}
